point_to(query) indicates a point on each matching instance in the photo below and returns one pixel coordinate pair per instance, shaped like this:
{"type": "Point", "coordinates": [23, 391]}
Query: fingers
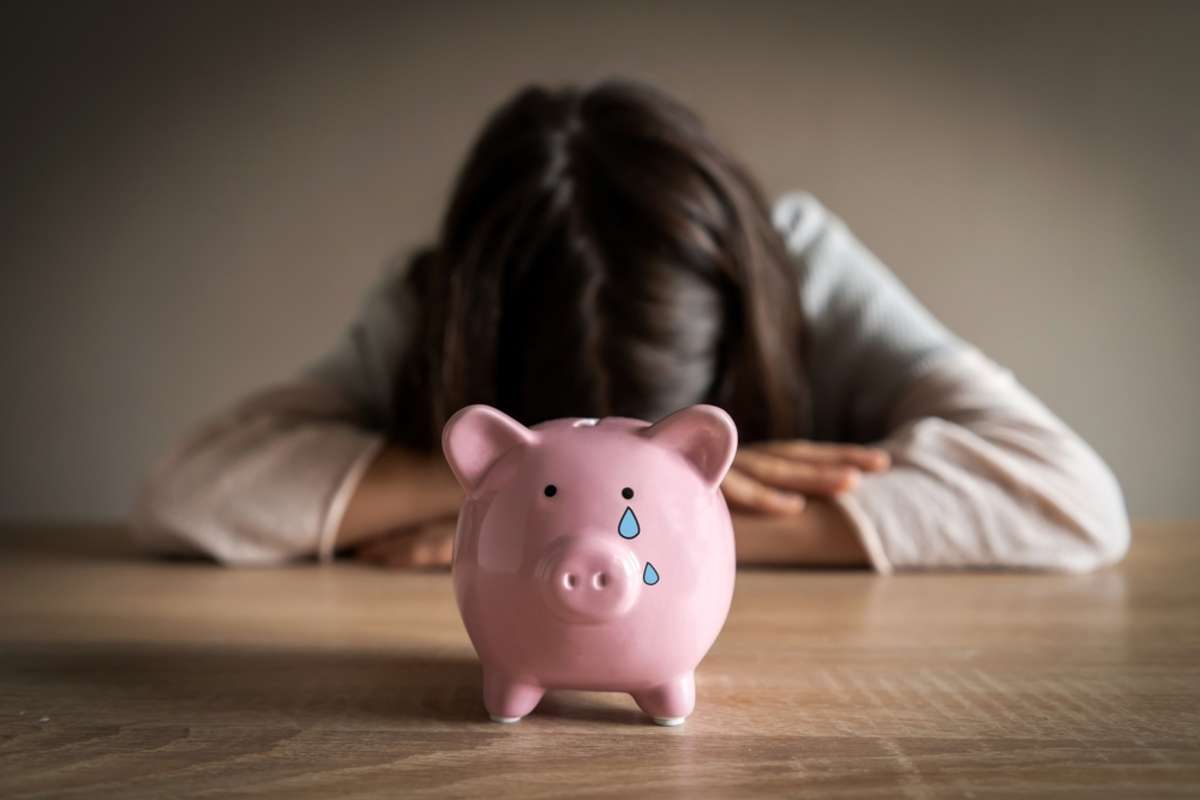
{"type": "Point", "coordinates": [795, 475]}
{"type": "Point", "coordinates": [867, 459]}
{"type": "Point", "coordinates": [429, 546]}
{"type": "Point", "coordinates": [747, 494]}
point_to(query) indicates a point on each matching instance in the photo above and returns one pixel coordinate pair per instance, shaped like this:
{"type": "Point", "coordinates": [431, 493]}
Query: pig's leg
{"type": "Point", "coordinates": [671, 702]}
{"type": "Point", "coordinates": [508, 700]}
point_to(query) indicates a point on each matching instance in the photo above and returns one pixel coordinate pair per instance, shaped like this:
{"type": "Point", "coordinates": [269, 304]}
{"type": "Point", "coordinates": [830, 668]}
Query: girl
{"type": "Point", "coordinates": [601, 255]}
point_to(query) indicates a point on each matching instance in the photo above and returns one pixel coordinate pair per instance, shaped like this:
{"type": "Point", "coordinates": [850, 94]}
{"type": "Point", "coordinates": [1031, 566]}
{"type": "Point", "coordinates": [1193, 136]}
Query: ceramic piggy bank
{"type": "Point", "coordinates": [592, 554]}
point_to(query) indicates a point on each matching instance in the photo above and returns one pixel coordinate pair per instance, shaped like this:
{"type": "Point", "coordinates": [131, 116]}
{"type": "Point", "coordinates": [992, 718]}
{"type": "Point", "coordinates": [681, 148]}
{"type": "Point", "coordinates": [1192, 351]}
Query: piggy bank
{"type": "Point", "coordinates": [592, 554]}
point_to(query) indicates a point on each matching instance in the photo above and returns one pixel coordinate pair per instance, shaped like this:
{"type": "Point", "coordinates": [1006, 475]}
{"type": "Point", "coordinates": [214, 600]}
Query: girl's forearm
{"type": "Point", "coordinates": [400, 489]}
{"type": "Point", "coordinates": [820, 535]}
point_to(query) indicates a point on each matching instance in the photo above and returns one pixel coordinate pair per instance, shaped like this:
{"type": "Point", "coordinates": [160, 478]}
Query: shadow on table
{"type": "Point", "coordinates": [217, 683]}
{"type": "Point", "coordinates": [96, 542]}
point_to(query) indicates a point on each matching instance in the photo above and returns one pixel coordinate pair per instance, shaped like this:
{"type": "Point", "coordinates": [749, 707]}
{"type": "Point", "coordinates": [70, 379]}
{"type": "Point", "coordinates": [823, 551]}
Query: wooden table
{"type": "Point", "coordinates": [121, 676]}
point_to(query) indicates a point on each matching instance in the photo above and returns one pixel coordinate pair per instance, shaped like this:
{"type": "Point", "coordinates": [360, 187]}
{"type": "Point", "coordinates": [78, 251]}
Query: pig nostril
{"type": "Point", "coordinates": [600, 580]}
{"type": "Point", "coordinates": [570, 580]}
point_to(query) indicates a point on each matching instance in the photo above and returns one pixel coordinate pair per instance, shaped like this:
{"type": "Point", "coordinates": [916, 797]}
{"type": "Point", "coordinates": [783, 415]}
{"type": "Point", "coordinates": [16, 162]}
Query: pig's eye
{"type": "Point", "coordinates": [627, 493]}
{"type": "Point", "coordinates": [550, 490]}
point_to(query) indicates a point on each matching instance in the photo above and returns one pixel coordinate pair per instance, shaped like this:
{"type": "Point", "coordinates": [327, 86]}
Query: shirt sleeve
{"type": "Point", "coordinates": [268, 479]}
{"type": "Point", "coordinates": [865, 333]}
{"type": "Point", "coordinates": [983, 474]}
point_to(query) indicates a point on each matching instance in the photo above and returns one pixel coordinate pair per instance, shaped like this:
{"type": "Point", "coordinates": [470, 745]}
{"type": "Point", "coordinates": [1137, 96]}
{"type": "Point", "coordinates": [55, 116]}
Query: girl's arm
{"type": "Point", "coordinates": [302, 469]}
{"type": "Point", "coordinates": [982, 474]}
{"type": "Point", "coordinates": [288, 473]}
{"type": "Point", "coordinates": [264, 482]}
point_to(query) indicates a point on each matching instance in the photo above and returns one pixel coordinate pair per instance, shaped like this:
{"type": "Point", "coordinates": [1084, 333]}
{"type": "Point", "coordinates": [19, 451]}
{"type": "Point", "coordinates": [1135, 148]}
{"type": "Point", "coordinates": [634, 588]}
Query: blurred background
{"type": "Point", "coordinates": [196, 195]}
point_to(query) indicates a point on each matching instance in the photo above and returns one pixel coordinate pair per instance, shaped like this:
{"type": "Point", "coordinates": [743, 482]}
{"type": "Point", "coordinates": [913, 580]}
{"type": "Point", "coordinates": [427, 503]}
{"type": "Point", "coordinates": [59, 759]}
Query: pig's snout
{"type": "Point", "coordinates": [586, 579]}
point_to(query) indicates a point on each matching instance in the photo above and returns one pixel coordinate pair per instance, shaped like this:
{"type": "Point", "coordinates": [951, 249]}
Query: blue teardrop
{"type": "Point", "coordinates": [628, 527]}
{"type": "Point", "coordinates": [650, 574]}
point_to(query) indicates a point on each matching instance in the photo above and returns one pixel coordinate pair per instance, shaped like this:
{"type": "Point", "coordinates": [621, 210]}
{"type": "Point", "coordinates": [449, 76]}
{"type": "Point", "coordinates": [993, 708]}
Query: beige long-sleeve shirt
{"type": "Point", "coordinates": [983, 474]}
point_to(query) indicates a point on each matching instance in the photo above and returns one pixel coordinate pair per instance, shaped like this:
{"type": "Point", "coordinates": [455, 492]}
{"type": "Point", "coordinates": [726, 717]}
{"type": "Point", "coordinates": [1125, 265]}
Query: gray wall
{"type": "Point", "coordinates": [194, 201]}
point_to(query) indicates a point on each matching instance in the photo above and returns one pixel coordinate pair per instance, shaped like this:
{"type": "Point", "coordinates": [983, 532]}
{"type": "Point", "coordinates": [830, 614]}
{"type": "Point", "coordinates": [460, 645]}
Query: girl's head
{"type": "Point", "coordinates": [601, 255]}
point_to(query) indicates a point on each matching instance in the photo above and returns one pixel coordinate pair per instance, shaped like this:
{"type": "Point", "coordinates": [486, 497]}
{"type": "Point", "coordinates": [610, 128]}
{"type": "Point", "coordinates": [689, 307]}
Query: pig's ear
{"type": "Point", "coordinates": [704, 435]}
{"type": "Point", "coordinates": [476, 437]}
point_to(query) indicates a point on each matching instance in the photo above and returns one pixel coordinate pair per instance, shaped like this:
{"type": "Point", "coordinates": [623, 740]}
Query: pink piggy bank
{"type": "Point", "coordinates": [592, 554]}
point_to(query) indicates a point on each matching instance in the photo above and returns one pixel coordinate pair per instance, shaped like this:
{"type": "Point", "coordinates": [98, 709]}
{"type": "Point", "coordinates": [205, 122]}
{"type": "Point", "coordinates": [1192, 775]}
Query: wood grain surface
{"type": "Point", "coordinates": [126, 677]}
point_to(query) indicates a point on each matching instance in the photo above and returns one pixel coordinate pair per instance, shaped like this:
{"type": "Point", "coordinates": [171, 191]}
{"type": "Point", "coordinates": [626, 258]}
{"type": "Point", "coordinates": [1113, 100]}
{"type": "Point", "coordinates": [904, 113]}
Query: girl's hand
{"type": "Point", "coordinates": [775, 477]}
{"type": "Point", "coordinates": [425, 546]}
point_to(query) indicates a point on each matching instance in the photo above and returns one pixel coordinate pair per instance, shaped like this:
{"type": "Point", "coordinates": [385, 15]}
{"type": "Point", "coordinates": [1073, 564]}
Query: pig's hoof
{"type": "Point", "coordinates": [669, 722]}
{"type": "Point", "coordinates": [506, 720]}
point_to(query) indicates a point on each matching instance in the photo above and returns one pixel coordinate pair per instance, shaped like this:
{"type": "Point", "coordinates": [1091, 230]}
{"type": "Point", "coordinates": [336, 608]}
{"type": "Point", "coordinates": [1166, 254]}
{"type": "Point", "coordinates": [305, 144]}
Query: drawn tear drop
{"type": "Point", "coordinates": [650, 574]}
{"type": "Point", "coordinates": [628, 527]}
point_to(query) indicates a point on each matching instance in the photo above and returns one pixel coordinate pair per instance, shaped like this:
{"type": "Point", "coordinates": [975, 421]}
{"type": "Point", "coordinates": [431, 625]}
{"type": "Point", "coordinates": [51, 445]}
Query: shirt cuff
{"type": "Point", "coordinates": [336, 509]}
{"type": "Point", "coordinates": [868, 534]}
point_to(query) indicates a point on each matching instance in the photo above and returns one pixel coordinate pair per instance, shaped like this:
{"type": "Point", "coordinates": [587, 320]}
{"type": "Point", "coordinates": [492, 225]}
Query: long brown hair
{"type": "Point", "coordinates": [601, 255]}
